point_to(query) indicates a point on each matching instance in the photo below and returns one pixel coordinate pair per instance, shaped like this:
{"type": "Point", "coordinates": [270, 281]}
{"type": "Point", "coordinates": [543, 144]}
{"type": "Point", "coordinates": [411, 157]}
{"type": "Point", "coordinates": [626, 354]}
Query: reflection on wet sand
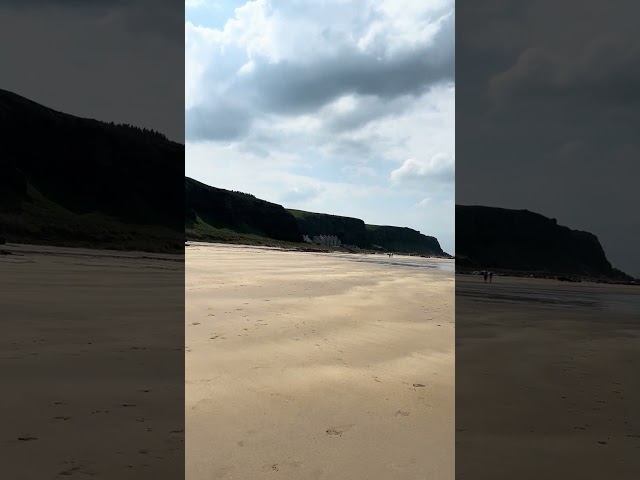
{"type": "Point", "coordinates": [546, 376]}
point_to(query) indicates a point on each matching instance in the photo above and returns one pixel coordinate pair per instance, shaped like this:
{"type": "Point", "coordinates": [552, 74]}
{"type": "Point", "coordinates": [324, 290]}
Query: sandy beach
{"type": "Point", "coordinates": [318, 366]}
{"type": "Point", "coordinates": [91, 363]}
{"type": "Point", "coordinates": [546, 380]}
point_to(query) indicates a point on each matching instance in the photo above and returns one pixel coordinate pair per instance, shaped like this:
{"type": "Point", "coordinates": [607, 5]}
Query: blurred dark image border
{"type": "Point", "coordinates": [547, 353]}
{"type": "Point", "coordinates": [92, 239]}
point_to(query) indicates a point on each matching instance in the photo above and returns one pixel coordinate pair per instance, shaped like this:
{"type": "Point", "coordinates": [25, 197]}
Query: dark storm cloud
{"type": "Point", "coordinates": [547, 113]}
{"type": "Point", "coordinates": [112, 60]}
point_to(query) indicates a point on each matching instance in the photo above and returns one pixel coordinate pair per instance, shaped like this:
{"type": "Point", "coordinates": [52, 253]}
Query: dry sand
{"type": "Point", "coordinates": [317, 366]}
{"type": "Point", "coordinates": [547, 380]}
{"type": "Point", "coordinates": [91, 360]}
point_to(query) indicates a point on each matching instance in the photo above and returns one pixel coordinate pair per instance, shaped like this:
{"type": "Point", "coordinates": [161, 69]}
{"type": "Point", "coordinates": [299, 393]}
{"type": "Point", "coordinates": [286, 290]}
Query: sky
{"type": "Point", "coordinates": [332, 106]}
{"type": "Point", "coordinates": [548, 121]}
{"type": "Point", "coordinates": [111, 60]}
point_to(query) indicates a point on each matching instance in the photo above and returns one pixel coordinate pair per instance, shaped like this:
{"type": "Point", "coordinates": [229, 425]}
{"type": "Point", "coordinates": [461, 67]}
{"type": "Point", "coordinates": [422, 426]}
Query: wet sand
{"type": "Point", "coordinates": [317, 366]}
{"type": "Point", "coordinates": [91, 364]}
{"type": "Point", "coordinates": [546, 380]}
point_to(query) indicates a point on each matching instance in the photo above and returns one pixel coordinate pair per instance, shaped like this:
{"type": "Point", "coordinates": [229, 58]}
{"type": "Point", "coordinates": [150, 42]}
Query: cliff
{"type": "Point", "coordinates": [72, 181]}
{"type": "Point", "coordinates": [215, 214]}
{"type": "Point", "coordinates": [520, 240]}
{"type": "Point", "coordinates": [209, 209]}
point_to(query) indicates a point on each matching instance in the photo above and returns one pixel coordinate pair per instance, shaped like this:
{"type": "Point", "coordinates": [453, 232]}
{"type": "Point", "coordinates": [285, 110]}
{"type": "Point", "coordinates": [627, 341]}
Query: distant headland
{"type": "Point", "coordinates": [523, 243]}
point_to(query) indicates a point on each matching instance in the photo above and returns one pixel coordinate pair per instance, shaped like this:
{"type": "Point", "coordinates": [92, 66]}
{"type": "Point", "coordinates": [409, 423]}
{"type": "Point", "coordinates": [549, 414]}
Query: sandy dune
{"type": "Point", "coordinates": [546, 380]}
{"type": "Point", "coordinates": [316, 366]}
{"type": "Point", "coordinates": [91, 360]}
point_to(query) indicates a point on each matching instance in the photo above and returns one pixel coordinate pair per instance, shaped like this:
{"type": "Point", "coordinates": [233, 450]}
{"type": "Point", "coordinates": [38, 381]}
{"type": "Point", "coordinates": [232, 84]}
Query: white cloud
{"type": "Point", "coordinates": [438, 167]}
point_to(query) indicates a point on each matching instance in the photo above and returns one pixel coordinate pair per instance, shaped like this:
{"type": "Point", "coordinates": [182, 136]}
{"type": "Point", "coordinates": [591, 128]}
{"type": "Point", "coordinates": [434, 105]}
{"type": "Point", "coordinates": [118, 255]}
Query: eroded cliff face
{"type": "Point", "coordinates": [521, 240]}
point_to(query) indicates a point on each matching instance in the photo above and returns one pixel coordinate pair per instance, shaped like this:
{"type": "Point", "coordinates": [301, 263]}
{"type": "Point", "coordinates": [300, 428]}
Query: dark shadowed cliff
{"type": "Point", "coordinates": [521, 240]}
{"type": "Point", "coordinates": [72, 181]}
{"type": "Point", "coordinates": [208, 209]}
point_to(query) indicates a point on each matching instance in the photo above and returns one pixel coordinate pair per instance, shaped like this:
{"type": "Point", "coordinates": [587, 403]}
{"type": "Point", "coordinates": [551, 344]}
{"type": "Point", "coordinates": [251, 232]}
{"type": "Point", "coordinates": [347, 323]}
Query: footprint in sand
{"type": "Point", "coordinates": [69, 471]}
{"type": "Point", "coordinates": [338, 431]}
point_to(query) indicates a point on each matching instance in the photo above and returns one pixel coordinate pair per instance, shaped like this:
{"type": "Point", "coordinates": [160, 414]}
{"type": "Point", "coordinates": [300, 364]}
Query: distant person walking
{"type": "Point", "coordinates": [490, 277]}
{"type": "Point", "coordinates": [485, 275]}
